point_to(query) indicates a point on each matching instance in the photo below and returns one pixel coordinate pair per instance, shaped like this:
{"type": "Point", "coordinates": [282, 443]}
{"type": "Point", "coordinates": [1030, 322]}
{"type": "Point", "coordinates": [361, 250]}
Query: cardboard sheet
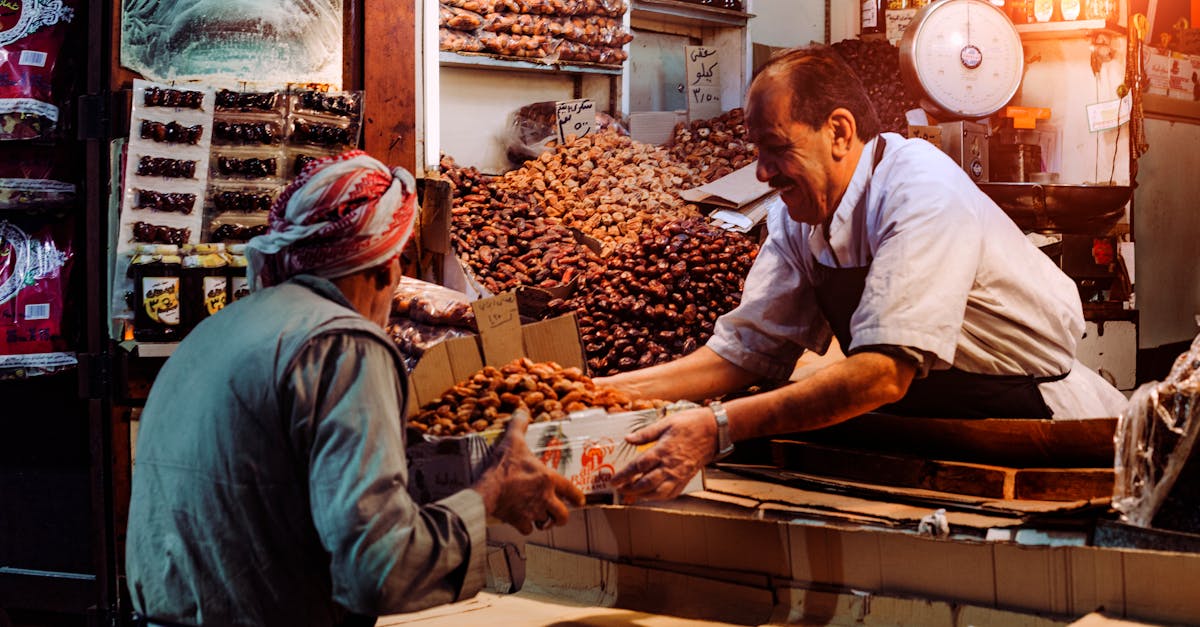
{"type": "Point", "coordinates": [735, 190]}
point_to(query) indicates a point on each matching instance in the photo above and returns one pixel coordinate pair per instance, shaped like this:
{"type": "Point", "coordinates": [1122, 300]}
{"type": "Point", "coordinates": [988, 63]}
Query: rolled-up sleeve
{"type": "Point", "coordinates": [778, 318]}
{"type": "Point", "coordinates": [387, 553]}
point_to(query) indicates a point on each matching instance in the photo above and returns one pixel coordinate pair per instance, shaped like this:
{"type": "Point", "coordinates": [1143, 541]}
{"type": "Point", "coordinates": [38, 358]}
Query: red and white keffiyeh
{"type": "Point", "coordinates": [342, 214]}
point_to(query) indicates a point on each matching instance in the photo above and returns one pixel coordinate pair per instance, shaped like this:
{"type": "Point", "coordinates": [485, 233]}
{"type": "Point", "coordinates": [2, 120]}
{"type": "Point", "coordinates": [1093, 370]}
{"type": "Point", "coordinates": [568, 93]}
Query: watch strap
{"type": "Point", "coordinates": [724, 443]}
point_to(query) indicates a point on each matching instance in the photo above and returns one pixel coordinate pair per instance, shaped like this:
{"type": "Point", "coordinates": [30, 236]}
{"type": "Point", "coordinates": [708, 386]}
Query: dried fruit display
{"type": "Point", "coordinates": [171, 132]}
{"type": "Point", "coordinates": [877, 64]}
{"type": "Point", "coordinates": [183, 99]}
{"type": "Point", "coordinates": [168, 168]}
{"type": "Point", "coordinates": [487, 399]}
{"type": "Point", "coordinates": [252, 167]}
{"type": "Point", "coordinates": [263, 133]}
{"type": "Point", "coordinates": [341, 104]}
{"type": "Point", "coordinates": [174, 202]}
{"type": "Point", "coordinates": [228, 100]}
{"type": "Point", "coordinates": [458, 19]}
{"type": "Point", "coordinates": [715, 147]}
{"type": "Point", "coordinates": [147, 233]}
{"type": "Point", "coordinates": [658, 298]}
{"type": "Point", "coordinates": [243, 202]}
{"type": "Point", "coordinates": [238, 232]}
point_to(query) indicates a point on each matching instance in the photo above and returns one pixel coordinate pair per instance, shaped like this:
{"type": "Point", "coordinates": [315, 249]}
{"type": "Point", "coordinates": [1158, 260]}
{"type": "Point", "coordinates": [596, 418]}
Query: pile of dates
{"type": "Point", "coordinates": [659, 298]}
{"type": "Point", "coordinates": [605, 185]}
{"type": "Point", "coordinates": [507, 241]}
{"type": "Point", "coordinates": [488, 399]}
{"type": "Point", "coordinates": [713, 148]}
{"type": "Point", "coordinates": [877, 64]}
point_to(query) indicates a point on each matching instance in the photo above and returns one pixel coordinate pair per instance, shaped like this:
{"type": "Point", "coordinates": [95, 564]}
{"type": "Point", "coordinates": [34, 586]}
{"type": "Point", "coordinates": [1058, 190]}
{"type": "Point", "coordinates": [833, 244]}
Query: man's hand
{"type": "Point", "coordinates": [686, 442]}
{"type": "Point", "coordinates": [519, 489]}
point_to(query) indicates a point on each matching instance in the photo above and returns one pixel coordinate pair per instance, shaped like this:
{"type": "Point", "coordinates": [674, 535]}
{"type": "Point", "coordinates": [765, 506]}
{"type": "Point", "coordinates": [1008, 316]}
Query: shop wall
{"type": "Point", "coordinates": [1059, 75]}
{"type": "Point", "coordinates": [787, 23]}
{"type": "Point", "coordinates": [477, 107]}
{"type": "Point", "coordinates": [1167, 228]}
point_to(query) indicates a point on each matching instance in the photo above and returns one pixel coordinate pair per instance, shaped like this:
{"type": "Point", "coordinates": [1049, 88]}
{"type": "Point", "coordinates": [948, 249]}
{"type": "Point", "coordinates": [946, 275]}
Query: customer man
{"type": "Point", "coordinates": [941, 304]}
{"type": "Point", "coordinates": [270, 486]}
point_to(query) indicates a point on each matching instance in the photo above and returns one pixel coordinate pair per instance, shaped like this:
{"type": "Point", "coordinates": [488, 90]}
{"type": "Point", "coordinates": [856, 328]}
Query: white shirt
{"type": "Point", "coordinates": [951, 276]}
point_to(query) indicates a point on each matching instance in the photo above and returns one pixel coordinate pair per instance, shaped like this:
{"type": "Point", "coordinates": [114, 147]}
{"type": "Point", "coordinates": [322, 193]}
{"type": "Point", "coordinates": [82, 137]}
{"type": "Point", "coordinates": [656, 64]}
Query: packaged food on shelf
{"type": "Point", "coordinates": [204, 288]}
{"type": "Point", "coordinates": [157, 96]}
{"type": "Point", "coordinates": [166, 167]}
{"type": "Point", "coordinates": [251, 102]}
{"type": "Point", "coordinates": [172, 202]}
{"type": "Point", "coordinates": [236, 227]}
{"type": "Point", "coordinates": [573, 51]}
{"type": "Point", "coordinates": [224, 197]}
{"type": "Point", "coordinates": [171, 132]}
{"type": "Point", "coordinates": [456, 18]}
{"type": "Point", "coordinates": [32, 33]}
{"type": "Point", "coordinates": [323, 133]}
{"type": "Point", "coordinates": [542, 47]}
{"type": "Point", "coordinates": [247, 131]}
{"type": "Point", "coordinates": [298, 157]}
{"type": "Point", "coordinates": [150, 233]}
{"type": "Point", "coordinates": [247, 164]}
{"type": "Point", "coordinates": [34, 177]}
{"type": "Point", "coordinates": [432, 304]}
{"type": "Point", "coordinates": [36, 255]}
{"type": "Point", "coordinates": [459, 41]}
{"type": "Point", "coordinates": [594, 30]}
{"type": "Point", "coordinates": [239, 287]}
{"type": "Point", "coordinates": [158, 315]}
{"type": "Point", "coordinates": [347, 104]}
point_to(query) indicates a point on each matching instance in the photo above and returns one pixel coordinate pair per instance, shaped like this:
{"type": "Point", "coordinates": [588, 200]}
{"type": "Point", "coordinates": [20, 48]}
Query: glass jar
{"type": "Point", "coordinates": [157, 314]}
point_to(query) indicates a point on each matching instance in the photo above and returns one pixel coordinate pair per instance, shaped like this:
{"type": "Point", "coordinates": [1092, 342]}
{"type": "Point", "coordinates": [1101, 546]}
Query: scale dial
{"type": "Point", "coordinates": [964, 57]}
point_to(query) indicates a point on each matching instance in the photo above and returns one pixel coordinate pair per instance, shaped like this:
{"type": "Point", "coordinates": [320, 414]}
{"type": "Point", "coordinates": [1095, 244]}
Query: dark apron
{"type": "Point", "coordinates": [951, 393]}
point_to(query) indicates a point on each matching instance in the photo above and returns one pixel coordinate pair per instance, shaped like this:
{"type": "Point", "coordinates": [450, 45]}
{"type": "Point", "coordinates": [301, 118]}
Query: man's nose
{"type": "Point", "coordinates": [765, 170]}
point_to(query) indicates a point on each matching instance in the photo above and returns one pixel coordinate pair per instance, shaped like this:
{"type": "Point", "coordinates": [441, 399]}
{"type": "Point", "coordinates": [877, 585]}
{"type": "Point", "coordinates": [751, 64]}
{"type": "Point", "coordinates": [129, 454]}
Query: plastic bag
{"type": "Point", "coordinates": [432, 304]}
{"type": "Point", "coordinates": [458, 19]}
{"type": "Point", "coordinates": [1156, 436]}
{"type": "Point", "coordinates": [535, 125]}
{"type": "Point", "coordinates": [30, 41]}
{"type": "Point", "coordinates": [35, 259]}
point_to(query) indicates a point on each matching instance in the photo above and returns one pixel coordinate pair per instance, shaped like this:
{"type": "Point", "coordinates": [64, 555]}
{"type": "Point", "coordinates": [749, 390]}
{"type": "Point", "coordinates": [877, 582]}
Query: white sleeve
{"type": "Point", "coordinates": [926, 244]}
{"type": "Point", "coordinates": [778, 318]}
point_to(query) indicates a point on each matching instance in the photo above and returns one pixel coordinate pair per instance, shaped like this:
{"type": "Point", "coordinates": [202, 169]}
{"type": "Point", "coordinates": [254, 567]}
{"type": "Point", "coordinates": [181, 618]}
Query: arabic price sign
{"type": "Point", "coordinates": [575, 117]}
{"type": "Point", "coordinates": [703, 82]}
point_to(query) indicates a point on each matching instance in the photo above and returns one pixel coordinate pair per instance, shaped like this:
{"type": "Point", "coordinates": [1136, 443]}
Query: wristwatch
{"type": "Point", "coordinates": [724, 444]}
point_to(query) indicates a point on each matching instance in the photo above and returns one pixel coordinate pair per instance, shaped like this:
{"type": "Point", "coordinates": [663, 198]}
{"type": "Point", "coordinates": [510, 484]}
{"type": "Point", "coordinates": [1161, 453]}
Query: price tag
{"type": "Point", "coordinates": [575, 117]}
{"type": "Point", "coordinates": [704, 82]}
{"type": "Point", "coordinates": [1103, 116]}
{"type": "Point", "coordinates": [499, 328]}
{"type": "Point", "coordinates": [897, 22]}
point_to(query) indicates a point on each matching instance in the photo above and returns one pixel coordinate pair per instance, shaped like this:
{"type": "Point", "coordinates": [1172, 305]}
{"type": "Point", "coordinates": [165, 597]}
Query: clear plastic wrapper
{"type": "Point", "coordinates": [35, 261]}
{"type": "Point", "coordinates": [240, 198]}
{"type": "Point", "coordinates": [298, 157]}
{"type": "Point", "coordinates": [455, 18]}
{"type": "Point", "coordinates": [232, 228]}
{"type": "Point", "coordinates": [459, 41]}
{"type": "Point", "coordinates": [246, 164]}
{"type": "Point", "coordinates": [593, 30]}
{"type": "Point", "coordinates": [543, 47]}
{"type": "Point", "coordinates": [251, 102]}
{"type": "Point", "coordinates": [166, 167]}
{"type": "Point", "coordinates": [1156, 438]}
{"type": "Point", "coordinates": [31, 36]}
{"type": "Point", "coordinates": [330, 133]}
{"type": "Point", "coordinates": [173, 98]}
{"type": "Point", "coordinates": [573, 51]}
{"type": "Point", "coordinates": [534, 128]}
{"type": "Point", "coordinates": [171, 132]}
{"type": "Point", "coordinates": [151, 233]}
{"type": "Point", "coordinates": [432, 304]}
{"type": "Point", "coordinates": [414, 338]}
{"type": "Point", "coordinates": [346, 104]}
{"type": "Point", "coordinates": [171, 202]}
{"type": "Point", "coordinates": [34, 177]}
{"type": "Point", "coordinates": [247, 131]}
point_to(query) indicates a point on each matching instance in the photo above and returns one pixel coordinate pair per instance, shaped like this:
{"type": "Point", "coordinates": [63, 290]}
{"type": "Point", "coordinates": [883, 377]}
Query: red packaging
{"type": "Point", "coordinates": [31, 35]}
{"type": "Point", "coordinates": [34, 263]}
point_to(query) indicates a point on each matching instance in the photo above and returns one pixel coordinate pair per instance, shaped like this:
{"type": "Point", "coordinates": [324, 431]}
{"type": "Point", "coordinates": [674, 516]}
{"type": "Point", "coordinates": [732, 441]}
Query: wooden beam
{"type": "Point", "coordinates": [389, 81]}
{"type": "Point", "coordinates": [998, 482]}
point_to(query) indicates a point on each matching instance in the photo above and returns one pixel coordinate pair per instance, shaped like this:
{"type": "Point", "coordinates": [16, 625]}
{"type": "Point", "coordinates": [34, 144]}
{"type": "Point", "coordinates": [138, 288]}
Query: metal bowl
{"type": "Point", "coordinates": [1081, 209]}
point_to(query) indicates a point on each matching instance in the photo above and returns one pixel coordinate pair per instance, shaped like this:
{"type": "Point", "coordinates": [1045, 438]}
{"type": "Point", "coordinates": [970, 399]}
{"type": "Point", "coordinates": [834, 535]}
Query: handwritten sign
{"type": "Point", "coordinates": [499, 328]}
{"type": "Point", "coordinates": [703, 82]}
{"type": "Point", "coordinates": [575, 117]}
{"type": "Point", "coordinates": [897, 22]}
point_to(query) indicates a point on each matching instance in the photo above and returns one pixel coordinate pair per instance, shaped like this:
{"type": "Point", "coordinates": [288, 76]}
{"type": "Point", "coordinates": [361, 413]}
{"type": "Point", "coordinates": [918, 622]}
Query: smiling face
{"type": "Point", "coordinates": [793, 157]}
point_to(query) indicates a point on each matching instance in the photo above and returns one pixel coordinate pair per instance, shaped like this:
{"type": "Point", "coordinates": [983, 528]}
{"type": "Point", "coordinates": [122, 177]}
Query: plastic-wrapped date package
{"type": "Point", "coordinates": [582, 53]}
{"type": "Point", "coordinates": [458, 19]}
{"type": "Point", "coordinates": [31, 35]}
{"type": "Point", "coordinates": [35, 259]}
{"type": "Point", "coordinates": [594, 30]}
{"type": "Point", "coordinates": [459, 41]}
{"type": "Point", "coordinates": [1157, 473]}
{"type": "Point", "coordinates": [521, 46]}
{"type": "Point", "coordinates": [432, 304]}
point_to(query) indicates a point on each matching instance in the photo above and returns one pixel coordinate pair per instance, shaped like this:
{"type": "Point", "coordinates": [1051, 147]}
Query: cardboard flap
{"type": "Point", "coordinates": [499, 328]}
{"type": "Point", "coordinates": [544, 341]}
{"type": "Point", "coordinates": [432, 375]}
{"type": "Point", "coordinates": [735, 190]}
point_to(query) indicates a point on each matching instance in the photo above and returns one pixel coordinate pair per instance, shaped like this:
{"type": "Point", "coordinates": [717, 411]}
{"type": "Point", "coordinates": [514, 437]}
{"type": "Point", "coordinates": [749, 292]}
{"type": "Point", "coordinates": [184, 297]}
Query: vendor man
{"type": "Point", "coordinates": [943, 307]}
{"type": "Point", "coordinates": [270, 486]}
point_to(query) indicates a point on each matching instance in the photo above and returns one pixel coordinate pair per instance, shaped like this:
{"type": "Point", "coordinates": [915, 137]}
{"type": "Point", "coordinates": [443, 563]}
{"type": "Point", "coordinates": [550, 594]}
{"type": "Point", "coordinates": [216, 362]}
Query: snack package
{"type": "Point", "coordinates": [459, 41]}
{"type": "Point", "coordinates": [432, 304]}
{"type": "Point", "coordinates": [31, 35]}
{"type": "Point", "coordinates": [1155, 483]}
{"type": "Point", "coordinates": [235, 227]}
{"type": "Point", "coordinates": [414, 338]}
{"type": "Point", "coordinates": [458, 19]}
{"type": "Point", "coordinates": [35, 261]}
{"type": "Point", "coordinates": [33, 176]}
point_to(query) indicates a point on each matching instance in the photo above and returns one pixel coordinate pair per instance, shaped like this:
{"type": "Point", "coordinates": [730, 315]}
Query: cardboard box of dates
{"type": "Point", "coordinates": [586, 445]}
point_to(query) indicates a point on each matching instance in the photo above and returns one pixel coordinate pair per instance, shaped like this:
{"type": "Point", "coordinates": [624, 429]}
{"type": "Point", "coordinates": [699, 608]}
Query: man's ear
{"type": "Point", "coordinates": [844, 127]}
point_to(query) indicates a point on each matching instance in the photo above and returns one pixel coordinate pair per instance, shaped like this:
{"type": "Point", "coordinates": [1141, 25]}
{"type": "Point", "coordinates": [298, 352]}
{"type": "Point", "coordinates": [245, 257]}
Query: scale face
{"type": "Point", "coordinates": [964, 57]}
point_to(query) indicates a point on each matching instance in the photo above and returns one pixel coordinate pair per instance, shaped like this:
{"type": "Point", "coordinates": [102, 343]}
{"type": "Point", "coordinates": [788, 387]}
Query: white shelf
{"type": "Point", "coordinates": [687, 13]}
{"type": "Point", "coordinates": [1068, 30]}
{"type": "Point", "coordinates": [491, 62]}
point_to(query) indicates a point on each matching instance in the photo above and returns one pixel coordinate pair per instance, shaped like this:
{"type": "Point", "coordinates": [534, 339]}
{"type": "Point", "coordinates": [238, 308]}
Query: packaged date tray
{"type": "Point", "coordinates": [587, 448]}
